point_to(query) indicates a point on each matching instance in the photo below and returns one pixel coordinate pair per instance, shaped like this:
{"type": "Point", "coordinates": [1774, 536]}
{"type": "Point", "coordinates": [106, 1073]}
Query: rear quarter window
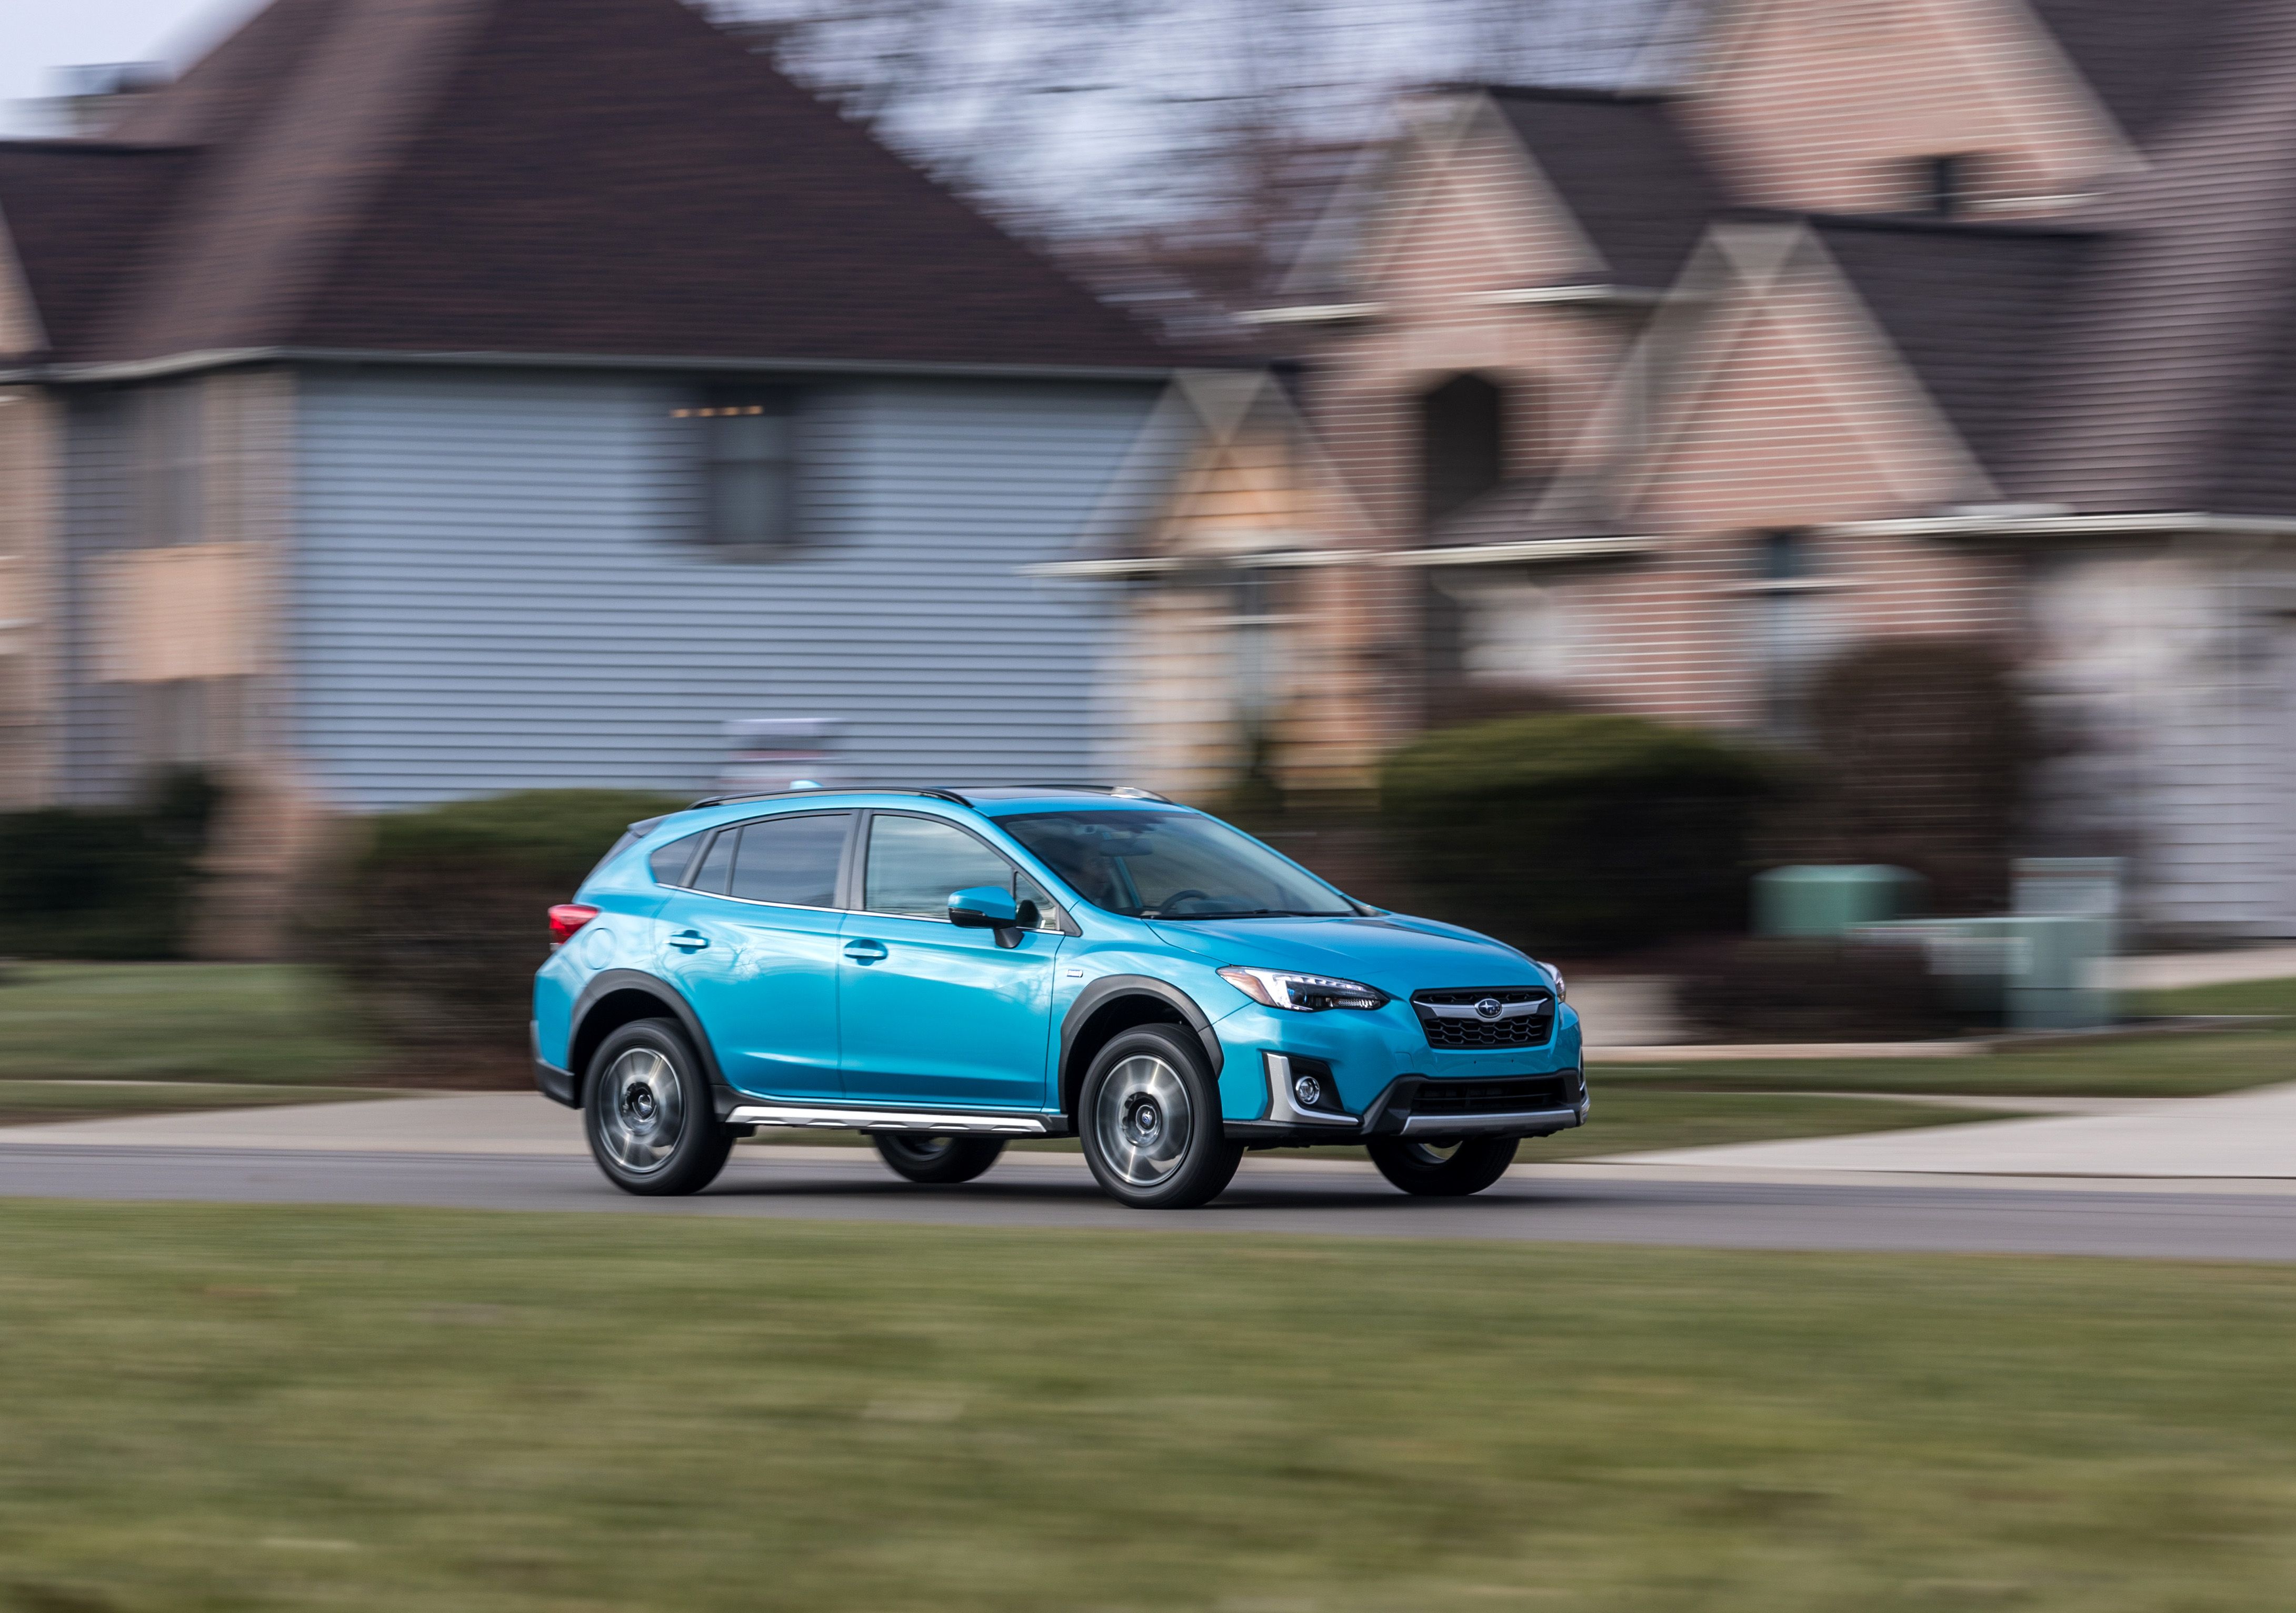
{"type": "Point", "coordinates": [670, 863]}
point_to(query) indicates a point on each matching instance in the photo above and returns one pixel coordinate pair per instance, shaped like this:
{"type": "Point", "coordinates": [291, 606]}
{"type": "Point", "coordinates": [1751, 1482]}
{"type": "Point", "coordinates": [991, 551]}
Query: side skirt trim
{"type": "Point", "coordinates": [883, 1120]}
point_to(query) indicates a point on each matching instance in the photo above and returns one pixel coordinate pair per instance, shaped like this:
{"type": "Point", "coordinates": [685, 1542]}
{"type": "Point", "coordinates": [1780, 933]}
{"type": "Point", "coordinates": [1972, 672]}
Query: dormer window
{"type": "Point", "coordinates": [1944, 183]}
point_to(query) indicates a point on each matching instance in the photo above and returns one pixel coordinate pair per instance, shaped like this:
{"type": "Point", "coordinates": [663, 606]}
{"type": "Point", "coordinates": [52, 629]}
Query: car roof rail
{"type": "Point", "coordinates": [975, 793]}
{"type": "Point", "coordinates": [819, 790]}
{"type": "Point", "coordinates": [939, 792]}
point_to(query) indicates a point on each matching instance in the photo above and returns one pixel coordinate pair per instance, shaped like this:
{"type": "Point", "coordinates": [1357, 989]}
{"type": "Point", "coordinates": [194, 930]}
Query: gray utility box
{"type": "Point", "coordinates": [1820, 902]}
{"type": "Point", "coordinates": [2037, 971]}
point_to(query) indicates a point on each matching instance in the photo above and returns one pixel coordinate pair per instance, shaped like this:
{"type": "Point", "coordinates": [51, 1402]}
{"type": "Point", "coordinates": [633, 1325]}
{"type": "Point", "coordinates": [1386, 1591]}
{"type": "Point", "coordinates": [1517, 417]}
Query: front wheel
{"type": "Point", "coordinates": [937, 1161]}
{"type": "Point", "coordinates": [647, 1113]}
{"type": "Point", "coordinates": [1150, 1122]}
{"type": "Point", "coordinates": [1442, 1170]}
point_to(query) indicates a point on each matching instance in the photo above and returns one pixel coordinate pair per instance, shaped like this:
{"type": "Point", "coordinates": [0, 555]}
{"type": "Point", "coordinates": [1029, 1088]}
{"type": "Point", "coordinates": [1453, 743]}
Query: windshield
{"type": "Point", "coordinates": [1171, 866]}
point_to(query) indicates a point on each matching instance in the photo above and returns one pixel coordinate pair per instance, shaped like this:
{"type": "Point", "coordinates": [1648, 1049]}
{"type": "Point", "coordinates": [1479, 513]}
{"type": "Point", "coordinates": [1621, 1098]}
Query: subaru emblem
{"type": "Point", "coordinates": [1488, 1008]}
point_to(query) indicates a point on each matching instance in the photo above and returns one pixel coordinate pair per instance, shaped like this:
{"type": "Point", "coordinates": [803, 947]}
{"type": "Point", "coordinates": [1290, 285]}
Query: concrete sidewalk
{"type": "Point", "coordinates": [2244, 1136]}
{"type": "Point", "coordinates": [2250, 1135]}
{"type": "Point", "coordinates": [430, 1123]}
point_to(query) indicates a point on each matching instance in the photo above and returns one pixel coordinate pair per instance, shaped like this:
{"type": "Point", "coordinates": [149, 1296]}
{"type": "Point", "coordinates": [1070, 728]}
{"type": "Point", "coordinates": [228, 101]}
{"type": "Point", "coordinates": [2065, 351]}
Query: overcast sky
{"type": "Point", "coordinates": [38, 36]}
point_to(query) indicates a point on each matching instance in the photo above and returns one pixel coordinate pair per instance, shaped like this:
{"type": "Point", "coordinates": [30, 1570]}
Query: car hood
{"type": "Point", "coordinates": [1397, 954]}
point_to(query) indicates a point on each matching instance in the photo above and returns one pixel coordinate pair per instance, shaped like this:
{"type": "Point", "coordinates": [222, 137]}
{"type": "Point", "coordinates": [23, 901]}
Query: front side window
{"type": "Point", "coordinates": [791, 861]}
{"type": "Point", "coordinates": [1154, 864]}
{"type": "Point", "coordinates": [746, 445]}
{"type": "Point", "coordinates": [916, 864]}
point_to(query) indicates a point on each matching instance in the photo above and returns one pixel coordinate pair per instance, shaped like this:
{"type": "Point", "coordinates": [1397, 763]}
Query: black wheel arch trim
{"type": "Point", "coordinates": [609, 981]}
{"type": "Point", "coordinates": [1097, 993]}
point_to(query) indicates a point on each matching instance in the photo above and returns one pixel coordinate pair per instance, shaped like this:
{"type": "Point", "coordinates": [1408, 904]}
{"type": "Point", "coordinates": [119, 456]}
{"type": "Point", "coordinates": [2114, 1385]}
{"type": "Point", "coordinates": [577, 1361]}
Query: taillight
{"type": "Point", "coordinates": [566, 918]}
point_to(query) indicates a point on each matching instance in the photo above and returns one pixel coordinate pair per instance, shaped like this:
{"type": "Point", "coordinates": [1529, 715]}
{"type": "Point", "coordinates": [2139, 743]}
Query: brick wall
{"type": "Point", "coordinates": [1831, 105]}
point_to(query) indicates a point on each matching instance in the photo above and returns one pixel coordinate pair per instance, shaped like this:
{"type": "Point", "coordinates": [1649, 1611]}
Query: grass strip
{"type": "Point", "coordinates": [2177, 1065]}
{"type": "Point", "coordinates": [257, 1023]}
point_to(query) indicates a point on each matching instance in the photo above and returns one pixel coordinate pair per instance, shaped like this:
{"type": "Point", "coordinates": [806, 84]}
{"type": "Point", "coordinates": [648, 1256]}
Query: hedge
{"type": "Point", "coordinates": [108, 883]}
{"type": "Point", "coordinates": [1578, 833]}
{"type": "Point", "coordinates": [440, 924]}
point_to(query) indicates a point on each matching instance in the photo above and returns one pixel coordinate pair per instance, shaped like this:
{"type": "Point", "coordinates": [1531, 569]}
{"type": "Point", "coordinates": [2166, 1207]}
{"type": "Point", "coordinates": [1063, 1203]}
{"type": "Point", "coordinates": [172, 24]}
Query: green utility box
{"type": "Point", "coordinates": [1816, 903]}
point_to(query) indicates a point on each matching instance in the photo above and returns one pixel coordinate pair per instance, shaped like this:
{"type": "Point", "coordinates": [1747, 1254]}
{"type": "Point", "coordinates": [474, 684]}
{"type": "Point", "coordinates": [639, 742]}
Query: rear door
{"type": "Point", "coordinates": [930, 1013]}
{"type": "Point", "coordinates": [752, 942]}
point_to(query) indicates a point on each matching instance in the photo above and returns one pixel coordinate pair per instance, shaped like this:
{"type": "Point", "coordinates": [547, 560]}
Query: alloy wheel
{"type": "Point", "coordinates": [1143, 1122]}
{"type": "Point", "coordinates": [642, 1111]}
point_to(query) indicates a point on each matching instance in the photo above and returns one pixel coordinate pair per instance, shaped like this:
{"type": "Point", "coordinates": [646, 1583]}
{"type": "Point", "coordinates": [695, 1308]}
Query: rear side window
{"type": "Point", "coordinates": [670, 862]}
{"type": "Point", "coordinates": [791, 861]}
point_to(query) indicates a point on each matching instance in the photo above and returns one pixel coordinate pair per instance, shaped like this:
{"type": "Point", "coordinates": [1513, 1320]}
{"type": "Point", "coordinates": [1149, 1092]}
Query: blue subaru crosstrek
{"type": "Point", "coordinates": [946, 969]}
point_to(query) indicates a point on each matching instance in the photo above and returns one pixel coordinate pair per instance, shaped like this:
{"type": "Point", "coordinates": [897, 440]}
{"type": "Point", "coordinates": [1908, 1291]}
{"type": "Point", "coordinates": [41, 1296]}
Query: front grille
{"type": "Point", "coordinates": [1504, 1096]}
{"type": "Point", "coordinates": [1533, 1029]}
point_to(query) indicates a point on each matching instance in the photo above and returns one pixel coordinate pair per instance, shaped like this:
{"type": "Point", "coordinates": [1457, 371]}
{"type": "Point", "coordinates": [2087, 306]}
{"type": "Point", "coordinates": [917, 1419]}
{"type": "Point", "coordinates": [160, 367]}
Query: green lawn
{"type": "Point", "coordinates": [2181, 1066]}
{"type": "Point", "coordinates": [258, 1024]}
{"type": "Point", "coordinates": [253, 1408]}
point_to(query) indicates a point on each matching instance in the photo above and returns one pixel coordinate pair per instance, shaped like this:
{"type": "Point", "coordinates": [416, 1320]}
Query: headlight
{"type": "Point", "coordinates": [1302, 993]}
{"type": "Point", "coordinates": [1561, 992]}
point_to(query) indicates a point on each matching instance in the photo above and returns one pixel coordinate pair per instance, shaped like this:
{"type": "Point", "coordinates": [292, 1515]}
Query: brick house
{"type": "Point", "coordinates": [1941, 317]}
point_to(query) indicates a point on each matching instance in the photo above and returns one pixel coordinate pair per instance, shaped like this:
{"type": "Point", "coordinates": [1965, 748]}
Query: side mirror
{"type": "Point", "coordinates": [983, 907]}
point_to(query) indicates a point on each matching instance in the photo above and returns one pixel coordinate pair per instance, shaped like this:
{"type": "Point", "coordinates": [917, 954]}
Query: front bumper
{"type": "Point", "coordinates": [1397, 1112]}
{"type": "Point", "coordinates": [1385, 1080]}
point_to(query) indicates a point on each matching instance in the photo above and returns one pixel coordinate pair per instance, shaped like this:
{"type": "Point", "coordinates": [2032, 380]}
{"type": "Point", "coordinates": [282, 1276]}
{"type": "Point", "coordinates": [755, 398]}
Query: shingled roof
{"type": "Point", "coordinates": [79, 215]}
{"type": "Point", "coordinates": [1621, 163]}
{"type": "Point", "coordinates": [1973, 309]}
{"type": "Point", "coordinates": [2144, 59]}
{"type": "Point", "coordinates": [614, 178]}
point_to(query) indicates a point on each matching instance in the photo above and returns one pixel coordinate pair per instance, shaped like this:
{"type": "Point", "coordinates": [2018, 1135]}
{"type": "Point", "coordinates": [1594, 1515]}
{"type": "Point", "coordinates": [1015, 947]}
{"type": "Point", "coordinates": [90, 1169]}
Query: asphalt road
{"type": "Point", "coordinates": [1558, 1205]}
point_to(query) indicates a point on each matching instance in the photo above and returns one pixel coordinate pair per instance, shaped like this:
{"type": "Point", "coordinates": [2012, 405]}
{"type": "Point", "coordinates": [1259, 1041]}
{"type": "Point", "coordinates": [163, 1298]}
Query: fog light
{"type": "Point", "coordinates": [1308, 1091]}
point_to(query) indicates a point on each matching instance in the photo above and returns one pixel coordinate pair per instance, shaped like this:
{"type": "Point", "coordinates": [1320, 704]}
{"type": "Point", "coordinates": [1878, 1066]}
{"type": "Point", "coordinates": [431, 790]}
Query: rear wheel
{"type": "Point", "coordinates": [937, 1159]}
{"type": "Point", "coordinates": [1440, 1169]}
{"type": "Point", "coordinates": [1149, 1119]}
{"type": "Point", "coordinates": [647, 1113]}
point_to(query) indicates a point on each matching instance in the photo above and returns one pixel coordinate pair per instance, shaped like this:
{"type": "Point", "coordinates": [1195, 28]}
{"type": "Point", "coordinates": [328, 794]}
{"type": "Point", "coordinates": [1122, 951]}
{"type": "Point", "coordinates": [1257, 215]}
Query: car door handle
{"type": "Point", "coordinates": [865, 952]}
{"type": "Point", "coordinates": [689, 940]}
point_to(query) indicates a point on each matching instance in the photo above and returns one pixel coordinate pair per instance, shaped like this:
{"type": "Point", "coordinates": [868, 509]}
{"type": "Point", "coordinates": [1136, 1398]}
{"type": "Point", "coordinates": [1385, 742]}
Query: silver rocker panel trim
{"type": "Point", "coordinates": [881, 1120]}
{"type": "Point", "coordinates": [1461, 1125]}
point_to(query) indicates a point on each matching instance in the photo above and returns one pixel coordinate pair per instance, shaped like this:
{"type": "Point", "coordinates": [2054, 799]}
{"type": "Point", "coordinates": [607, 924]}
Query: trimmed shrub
{"type": "Point", "coordinates": [440, 925]}
{"type": "Point", "coordinates": [1924, 757]}
{"type": "Point", "coordinates": [1578, 833]}
{"type": "Point", "coordinates": [1742, 990]}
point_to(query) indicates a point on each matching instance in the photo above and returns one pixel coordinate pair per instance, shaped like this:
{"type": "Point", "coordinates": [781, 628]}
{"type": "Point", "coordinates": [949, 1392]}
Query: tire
{"type": "Point", "coordinates": [1440, 1170]}
{"type": "Point", "coordinates": [1149, 1118]}
{"type": "Point", "coordinates": [938, 1161]}
{"type": "Point", "coordinates": [647, 1112]}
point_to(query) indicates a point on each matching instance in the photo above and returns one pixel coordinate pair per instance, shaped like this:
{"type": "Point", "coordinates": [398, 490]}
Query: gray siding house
{"type": "Point", "coordinates": [425, 398]}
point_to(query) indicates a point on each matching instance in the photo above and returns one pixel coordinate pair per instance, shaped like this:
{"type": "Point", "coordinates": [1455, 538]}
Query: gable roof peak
{"type": "Point", "coordinates": [570, 178]}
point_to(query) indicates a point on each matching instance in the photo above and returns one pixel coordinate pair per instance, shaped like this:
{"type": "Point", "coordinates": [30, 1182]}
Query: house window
{"type": "Point", "coordinates": [1794, 629]}
{"type": "Point", "coordinates": [170, 452]}
{"type": "Point", "coordinates": [1462, 443]}
{"type": "Point", "coordinates": [746, 445]}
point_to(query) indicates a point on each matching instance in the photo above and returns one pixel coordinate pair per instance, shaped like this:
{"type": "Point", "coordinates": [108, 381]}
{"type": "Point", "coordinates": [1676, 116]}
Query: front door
{"type": "Point", "coordinates": [754, 947]}
{"type": "Point", "coordinates": [929, 1013]}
